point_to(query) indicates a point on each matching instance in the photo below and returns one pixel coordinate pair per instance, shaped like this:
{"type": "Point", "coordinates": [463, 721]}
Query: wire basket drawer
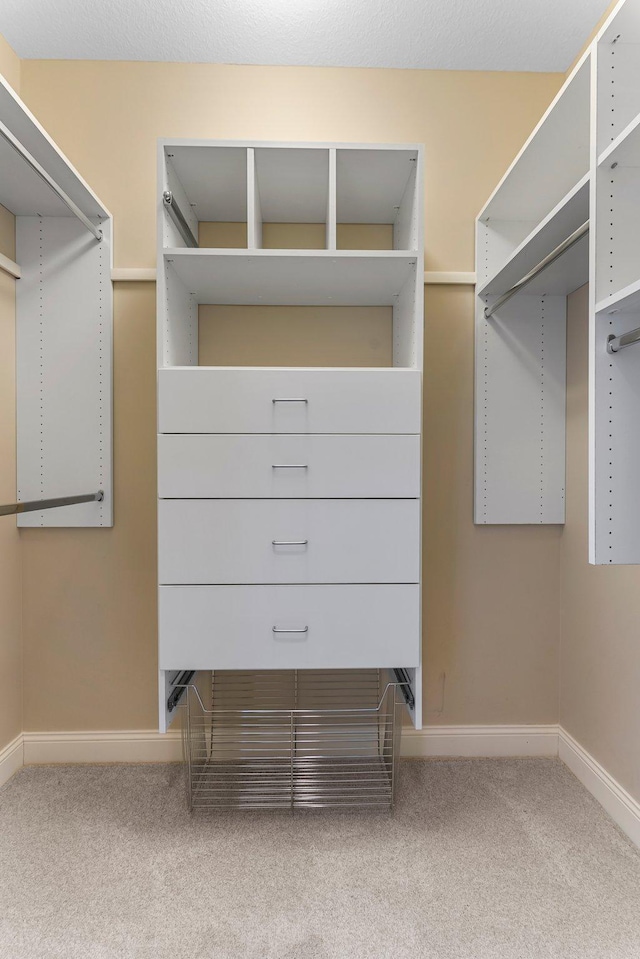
{"type": "Point", "coordinates": [292, 739]}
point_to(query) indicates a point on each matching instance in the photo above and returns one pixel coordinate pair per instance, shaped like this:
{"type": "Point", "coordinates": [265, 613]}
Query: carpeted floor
{"type": "Point", "coordinates": [507, 859]}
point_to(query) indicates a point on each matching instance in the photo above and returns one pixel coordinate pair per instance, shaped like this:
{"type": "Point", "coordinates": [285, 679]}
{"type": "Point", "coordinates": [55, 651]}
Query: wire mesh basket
{"type": "Point", "coordinates": [292, 739]}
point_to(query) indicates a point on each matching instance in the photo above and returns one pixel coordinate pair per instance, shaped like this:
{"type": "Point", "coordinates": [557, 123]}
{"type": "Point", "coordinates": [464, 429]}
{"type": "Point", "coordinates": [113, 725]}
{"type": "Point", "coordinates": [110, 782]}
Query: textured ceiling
{"type": "Point", "coordinates": [429, 34]}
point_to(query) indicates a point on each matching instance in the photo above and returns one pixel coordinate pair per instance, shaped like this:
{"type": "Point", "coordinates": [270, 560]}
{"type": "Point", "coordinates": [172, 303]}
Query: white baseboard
{"type": "Point", "coordinates": [474, 742]}
{"type": "Point", "coordinates": [621, 806]}
{"type": "Point", "coordinates": [11, 759]}
{"type": "Point", "coordinates": [103, 746]}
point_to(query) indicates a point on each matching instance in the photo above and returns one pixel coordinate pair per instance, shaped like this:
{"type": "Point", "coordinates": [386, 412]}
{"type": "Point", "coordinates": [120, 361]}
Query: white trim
{"type": "Point", "coordinates": [465, 279]}
{"type": "Point", "coordinates": [10, 266]}
{"type": "Point", "coordinates": [621, 806]}
{"type": "Point", "coordinates": [479, 741]}
{"type": "Point", "coordinates": [134, 274]}
{"type": "Point", "coordinates": [11, 759]}
{"type": "Point", "coordinates": [103, 746]}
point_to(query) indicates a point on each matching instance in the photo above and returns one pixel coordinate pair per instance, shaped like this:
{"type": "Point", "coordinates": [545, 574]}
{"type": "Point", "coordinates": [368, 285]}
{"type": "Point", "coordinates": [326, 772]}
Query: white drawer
{"type": "Point", "coordinates": [245, 627]}
{"type": "Point", "coordinates": [288, 541]}
{"type": "Point", "coordinates": [201, 400]}
{"type": "Point", "coordinates": [288, 466]}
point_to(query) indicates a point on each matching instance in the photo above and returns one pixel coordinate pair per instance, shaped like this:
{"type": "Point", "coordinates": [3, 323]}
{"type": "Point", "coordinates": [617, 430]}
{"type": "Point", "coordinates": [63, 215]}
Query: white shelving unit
{"type": "Point", "coordinates": [580, 166]}
{"type": "Point", "coordinates": [289, 497]}
{"type": "Point", "coordinates": [63, 324]}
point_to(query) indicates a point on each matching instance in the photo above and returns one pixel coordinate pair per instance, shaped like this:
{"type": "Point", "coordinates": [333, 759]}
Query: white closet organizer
{"type": "Point", "coordinates": [63, 328]}
{"type": "Point", "coordinates": [289, 498]}
{"type": "Point", "coordinates": [570, 198]}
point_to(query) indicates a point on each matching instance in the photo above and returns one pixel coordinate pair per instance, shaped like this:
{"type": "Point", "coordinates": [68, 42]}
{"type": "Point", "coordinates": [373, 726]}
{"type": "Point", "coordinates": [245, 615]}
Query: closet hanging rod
{"type": "Point", "coordinates": [42, 173]}
{"type": "Point", "coordinates": [178, 218]}
{"type": "Point", "coordinates": [617, 343]}
{"type": "Point", "coordinates": [542, 265]}
{"type": "Point", "coordinates": [37, 504]}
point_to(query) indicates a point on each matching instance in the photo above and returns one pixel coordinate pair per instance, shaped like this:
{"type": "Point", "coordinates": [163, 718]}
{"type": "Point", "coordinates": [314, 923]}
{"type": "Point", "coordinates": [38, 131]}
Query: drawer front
{"type": "Point", "coordinates": [289, 627]}
{"type": "Point", "coordinates": [201, 400]}
{"type": "Point", "coordinates": [288, 541]}
{"type": "Point", "coordinates": [288, 466]}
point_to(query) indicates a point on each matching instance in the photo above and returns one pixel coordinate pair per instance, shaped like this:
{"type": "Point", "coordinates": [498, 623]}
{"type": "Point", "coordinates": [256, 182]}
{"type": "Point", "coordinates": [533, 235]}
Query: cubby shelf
{"type": "Point", "coordinates": [624, 301]}
{"type": "Point", "coordinates": [567, 216]}
{"type": "Point", "coordinates": [294, 277]}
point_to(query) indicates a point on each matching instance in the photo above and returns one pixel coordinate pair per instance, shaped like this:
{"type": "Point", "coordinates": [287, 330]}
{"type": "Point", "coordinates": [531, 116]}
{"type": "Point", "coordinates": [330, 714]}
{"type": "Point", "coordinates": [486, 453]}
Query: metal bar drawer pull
{"type": "Point", "coordinates": [277, 629]}
{"type": "Point", "coordinates": [289, 542]}
{"type": "Point", "coordinates": [286, 399]}
{"type": "Point", "coordinates": [289, 466]}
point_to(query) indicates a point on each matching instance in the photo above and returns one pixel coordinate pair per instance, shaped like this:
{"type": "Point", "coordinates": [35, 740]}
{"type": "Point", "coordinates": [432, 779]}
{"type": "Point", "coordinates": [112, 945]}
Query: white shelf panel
{"type": "Point", "coordinates": [554, 158]}
{"type": "Point", "coordinates": [199, 168]}
{"type": "Point", "coordinates": [21, 190]}
{"type": "Point", "coordinates": [568, 215]}
{"type": "Point", "coordinates": [293, 277]}
{"type": "Point", "coordinates": [371, 184]}
{"type": "Point", "coordinates": [625, 149]}
{"type": "Point", "coordinates": [625, 301]}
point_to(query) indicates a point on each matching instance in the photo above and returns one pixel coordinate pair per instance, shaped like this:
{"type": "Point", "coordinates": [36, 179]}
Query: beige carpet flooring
{"type": "Point", "coordinates": [489, 859]}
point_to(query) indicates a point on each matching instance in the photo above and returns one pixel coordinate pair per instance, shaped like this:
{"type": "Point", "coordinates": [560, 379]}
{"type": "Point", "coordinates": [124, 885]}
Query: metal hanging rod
{"type": "Point", "coordinates": [38, 504]}
{"type": "Point", "coordinates": [617, 343]}
{"type": "Point", "coordinates": [42, 173]}
{"type": "Point", "coordinates": [178, 218]}
{"type": "Point", "coordinates": [542, 265]}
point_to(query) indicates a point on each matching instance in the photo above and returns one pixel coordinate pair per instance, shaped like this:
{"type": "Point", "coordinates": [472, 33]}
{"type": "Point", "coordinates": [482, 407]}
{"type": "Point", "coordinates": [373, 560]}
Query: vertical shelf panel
{"type": "Point", "coordinates": [520, 411]}
{"type": "Point", "coordinates": [64, 368]}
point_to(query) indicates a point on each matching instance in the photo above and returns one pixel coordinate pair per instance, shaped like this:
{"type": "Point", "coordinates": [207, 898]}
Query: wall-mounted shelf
{"type": "Point", "coordinates": [292, 277]}
{"type": "Point", "coordinates": [520, 347]}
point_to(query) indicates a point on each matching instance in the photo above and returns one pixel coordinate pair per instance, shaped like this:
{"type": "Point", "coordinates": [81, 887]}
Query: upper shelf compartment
{"type": "Point", "coordinates": [544, 179]}
{"type": "Point", "coordinates": [303, 197]}
{"type": "Point", "coordinates": [378, 188]}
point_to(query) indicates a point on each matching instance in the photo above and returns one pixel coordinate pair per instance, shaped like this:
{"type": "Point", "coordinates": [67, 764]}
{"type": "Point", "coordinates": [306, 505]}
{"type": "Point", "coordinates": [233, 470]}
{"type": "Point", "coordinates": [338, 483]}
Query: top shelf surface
{"type": "Point", "coordinates": [554, 158]}
{"type": "Point", "coordinates": [22, 191]}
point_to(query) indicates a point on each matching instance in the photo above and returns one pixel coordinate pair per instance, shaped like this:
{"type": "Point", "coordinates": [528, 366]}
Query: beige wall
{"type": "Point", "coordinates": [10, 575]}
{"type": "Point", "coordinates": [600, 644]}
{"type": "Point", "coordinates": [492, 602]}
{"type": "Point", "coordinates": [9, 65]}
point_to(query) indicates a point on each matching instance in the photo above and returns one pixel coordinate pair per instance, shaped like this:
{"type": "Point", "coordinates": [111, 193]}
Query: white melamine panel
{"type": "Point", "coordinates": [293, 184]}
{"type": "Point", "coordinates": [337, 627]}
{"type": "Point", "coordinates": [571, 213]}
{"type": "Point", "coordinates": [21, 190]}
{"type": "Point", "coordinates": [64, 368]}
{"type": "Point", "coordinates": [177, 321]}
{"type": "Point", "coordinates": [297, 278]}
{"type": "Point", "coordinates": [324, 466]}
{"type": "Point", "coordinates": [618, 88]}
{"type": "Point", "coordinates": [331, 203]}
{"type": "Point", "coordinates": [254, 211]}
{"type": "Point", "coordinates": [372, 184]}
{"type": "Point", "coordinates": [203, 400]}
{"type": "Point", "coordinates": [616, 503]}
{"type": "Point", "coordinates": [520, 411]}
{"type": "Point", "coordinates": [618, 237]}
{"type": "Point", "coordinates": [288, 541]}
{"type": "Point", "coordinates": [214, 178]}
{"type": "Point", "coordinates": [553, 160]}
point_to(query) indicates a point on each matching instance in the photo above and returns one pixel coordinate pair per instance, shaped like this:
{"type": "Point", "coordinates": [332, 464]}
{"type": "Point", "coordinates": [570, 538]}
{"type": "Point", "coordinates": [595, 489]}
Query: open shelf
{"type": "Point", "coordinates": [553, 160]}
{"type": "Point", "coordinates": [625, 149]}
{"type": "Point", "coordinates": [626, 300]}
{"type": "Point", "coordinates": [294, 277]}
{"type": "Point", "coordinates": [568, 215]}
